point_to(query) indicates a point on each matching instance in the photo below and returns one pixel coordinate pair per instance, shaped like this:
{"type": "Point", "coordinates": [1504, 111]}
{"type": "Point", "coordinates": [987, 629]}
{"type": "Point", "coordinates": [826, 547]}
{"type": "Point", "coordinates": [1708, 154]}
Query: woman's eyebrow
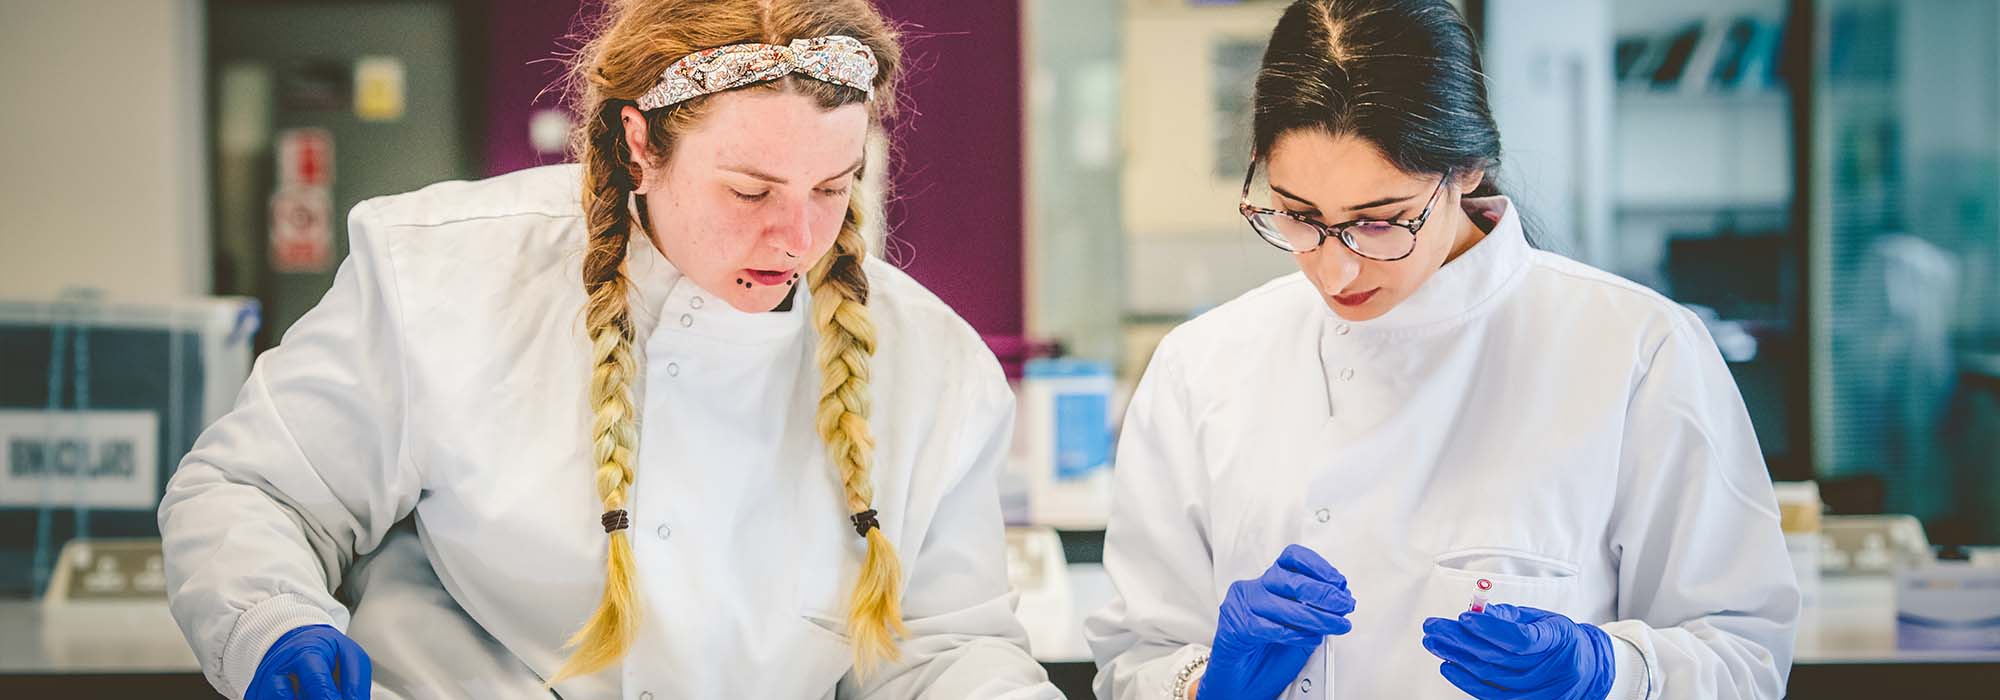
{"type": "Point", "coordinates": [775, 180]}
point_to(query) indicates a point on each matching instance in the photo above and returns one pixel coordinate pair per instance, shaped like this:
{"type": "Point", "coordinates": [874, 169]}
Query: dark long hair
{"type": "Point", "coordinates": [1403, 75]}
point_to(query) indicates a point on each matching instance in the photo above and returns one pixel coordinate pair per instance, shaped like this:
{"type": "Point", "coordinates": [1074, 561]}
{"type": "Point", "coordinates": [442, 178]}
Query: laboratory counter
{"type": "Point", "coordinates": [1847, 649]}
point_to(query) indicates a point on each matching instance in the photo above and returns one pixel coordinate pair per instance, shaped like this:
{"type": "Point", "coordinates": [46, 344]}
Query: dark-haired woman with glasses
{"type": "Point", "coordinates": [1436, 462]}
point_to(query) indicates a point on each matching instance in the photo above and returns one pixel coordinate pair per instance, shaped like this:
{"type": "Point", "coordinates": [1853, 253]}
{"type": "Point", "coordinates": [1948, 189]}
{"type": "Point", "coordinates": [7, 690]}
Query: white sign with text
{"type": "Point", "coordinates": [98, 459]}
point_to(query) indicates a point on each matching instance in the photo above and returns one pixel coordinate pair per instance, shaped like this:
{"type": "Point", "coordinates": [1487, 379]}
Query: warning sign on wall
{"type": "Point", "coordinates": [305, 158]}
{"type": "Point", "coordinates": [302, 230]}
{"type": "Point", "coordinates": [302, 207]}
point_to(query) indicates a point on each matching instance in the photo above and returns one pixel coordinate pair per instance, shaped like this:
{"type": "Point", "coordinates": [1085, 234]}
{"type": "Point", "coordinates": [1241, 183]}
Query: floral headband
{"type": "Point", "coordinates": [836, 59]}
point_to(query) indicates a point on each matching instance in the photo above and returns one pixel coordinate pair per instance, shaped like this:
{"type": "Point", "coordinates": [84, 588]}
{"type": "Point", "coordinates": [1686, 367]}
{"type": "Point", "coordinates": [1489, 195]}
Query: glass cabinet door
{"type": "Point", "coordinates": [1904, 257]}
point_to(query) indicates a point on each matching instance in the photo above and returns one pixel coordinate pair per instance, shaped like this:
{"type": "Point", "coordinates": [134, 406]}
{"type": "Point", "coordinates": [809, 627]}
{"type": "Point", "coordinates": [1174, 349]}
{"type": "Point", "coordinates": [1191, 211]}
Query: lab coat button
{"type": "Point", "coordinates": [694, 303]}
{"type": "Point", "coordinates": [1323, 515]}
{"type": "Point", "coordinates": [648, 695]}
{"type": "Point", "coordinates": [1347, 375]}
{"type": "Point", "coordinates": [664, 532]}
{"type": "Point", "coordinates": [1341, 329]}
{"type": "Point", "coordinates": [1305, 685]}
{"type": "Point", "coordinates": [687, 320]}
{"type": "Point", "coordinates": [673, 369]}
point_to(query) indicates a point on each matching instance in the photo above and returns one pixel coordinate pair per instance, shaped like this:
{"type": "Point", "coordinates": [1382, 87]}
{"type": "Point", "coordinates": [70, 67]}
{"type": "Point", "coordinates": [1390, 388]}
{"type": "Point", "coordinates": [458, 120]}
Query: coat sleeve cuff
{"type": "Point", "coordinates": [1633, 677]}
{"type": "Point", "coordinates": [256, 630]}
{"type": "Point", "coordinates": [1170, 668]}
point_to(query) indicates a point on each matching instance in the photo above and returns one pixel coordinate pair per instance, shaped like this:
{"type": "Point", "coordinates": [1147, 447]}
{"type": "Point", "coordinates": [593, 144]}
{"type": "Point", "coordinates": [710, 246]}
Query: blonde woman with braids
{"type": "Point", "coordinates": [649, 426]}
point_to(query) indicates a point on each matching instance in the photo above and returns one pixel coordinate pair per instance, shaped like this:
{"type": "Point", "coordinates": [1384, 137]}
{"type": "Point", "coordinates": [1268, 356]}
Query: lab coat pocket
{"type": "Point", "coordinates": [826, 660]}
{"type": "Point", "coordinates": [1488, 575]}
{"type": "Point", "coordinates": [1464, 578]}
{"type": "Point", "coordinates": [821, 611]}
{"type": "Point", "coordinates": [822, 596]}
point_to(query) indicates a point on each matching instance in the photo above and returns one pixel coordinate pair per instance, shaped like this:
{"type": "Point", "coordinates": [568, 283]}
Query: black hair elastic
{"type": "Point", "coordinates": [865, 521]}
{"type": "Point", "coordinates": [616, 520]}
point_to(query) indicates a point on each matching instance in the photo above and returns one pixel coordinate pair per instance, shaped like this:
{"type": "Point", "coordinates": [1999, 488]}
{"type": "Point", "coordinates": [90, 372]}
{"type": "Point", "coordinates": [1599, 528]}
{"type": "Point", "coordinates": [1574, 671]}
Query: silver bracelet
{"type": "Point", "coordinates": [1184, 681]}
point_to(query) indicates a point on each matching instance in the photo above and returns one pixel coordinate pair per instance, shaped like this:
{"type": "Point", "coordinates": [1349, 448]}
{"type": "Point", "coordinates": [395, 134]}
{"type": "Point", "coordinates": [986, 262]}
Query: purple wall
{"type": "Point", "coordinates": [522, 40]}
{"type": "Point", "coordinates": [956, 214]}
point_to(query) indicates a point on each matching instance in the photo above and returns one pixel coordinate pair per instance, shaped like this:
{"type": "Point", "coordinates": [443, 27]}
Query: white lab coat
{"type": "Point", "coordinates": [1569, 436]}
{"type": "Point", "coordinates": [430, 416]}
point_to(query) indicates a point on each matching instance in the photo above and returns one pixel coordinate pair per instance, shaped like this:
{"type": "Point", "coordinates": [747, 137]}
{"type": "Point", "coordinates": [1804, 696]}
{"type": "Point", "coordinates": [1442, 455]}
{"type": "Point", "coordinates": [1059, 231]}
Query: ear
{"type": "Point", "coordinates": [1466, 182]}
{"type": "Point", "coordinates": [638, 143]}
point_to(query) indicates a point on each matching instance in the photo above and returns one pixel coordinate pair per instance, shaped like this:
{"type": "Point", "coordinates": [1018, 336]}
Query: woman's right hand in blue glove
{"type": "Point", "coordinates": [316, 662]}
{"type": "Point", "coordinates": [1269, 626]}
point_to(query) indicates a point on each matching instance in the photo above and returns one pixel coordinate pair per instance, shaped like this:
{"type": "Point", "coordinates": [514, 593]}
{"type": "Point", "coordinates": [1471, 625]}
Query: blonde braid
{"type": "Point", "coordinates": [846, 341]}
{"type": "Point", "coordinates": [614, 435]}
{"type": "Point", "coordinates": [626, 50]}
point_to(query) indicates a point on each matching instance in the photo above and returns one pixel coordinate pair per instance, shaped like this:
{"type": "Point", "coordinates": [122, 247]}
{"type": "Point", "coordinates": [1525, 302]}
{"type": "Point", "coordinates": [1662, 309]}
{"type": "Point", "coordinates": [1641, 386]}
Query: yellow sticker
{"type": "Point", "coordinates": [378, 88]}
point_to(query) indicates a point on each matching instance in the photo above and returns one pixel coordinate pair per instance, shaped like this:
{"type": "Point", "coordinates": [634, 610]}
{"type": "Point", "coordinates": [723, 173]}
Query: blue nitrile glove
{"type": "Point", "coordinates": [1520, 652]}
{"type": "Point", "coordinates": [1270, 625]}
{"type": "Point", "coordinates": [320, 661]}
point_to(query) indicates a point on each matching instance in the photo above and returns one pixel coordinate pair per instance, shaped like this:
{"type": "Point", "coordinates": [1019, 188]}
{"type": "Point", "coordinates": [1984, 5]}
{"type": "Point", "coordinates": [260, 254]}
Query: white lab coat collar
{"type": "Point", "coordinates": [653, 279]}
{"type": "Point", "coordinates": [661, 294]}
{"type": "Point", "coordinates": [1463, 287]}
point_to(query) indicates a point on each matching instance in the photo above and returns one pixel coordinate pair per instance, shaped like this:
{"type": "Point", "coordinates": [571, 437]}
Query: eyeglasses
{"type": "Point", "coordinates": [1375, 239]}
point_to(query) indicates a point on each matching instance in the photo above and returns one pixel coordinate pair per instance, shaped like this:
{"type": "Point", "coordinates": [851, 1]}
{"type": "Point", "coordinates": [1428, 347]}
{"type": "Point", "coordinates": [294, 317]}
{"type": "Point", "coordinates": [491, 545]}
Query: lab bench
{"type": "Point", "coordinates": [1847, 649]}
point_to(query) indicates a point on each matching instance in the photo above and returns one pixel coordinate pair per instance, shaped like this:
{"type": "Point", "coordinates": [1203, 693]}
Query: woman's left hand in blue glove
{"type": "Point", "coordinates": [1520, 652]}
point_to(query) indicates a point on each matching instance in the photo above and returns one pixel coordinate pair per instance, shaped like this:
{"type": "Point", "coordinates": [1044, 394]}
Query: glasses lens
{"type": "Point", "coordinates": [1285, 232]}
{"type": "Point", "coordinates": [1381, 240]}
